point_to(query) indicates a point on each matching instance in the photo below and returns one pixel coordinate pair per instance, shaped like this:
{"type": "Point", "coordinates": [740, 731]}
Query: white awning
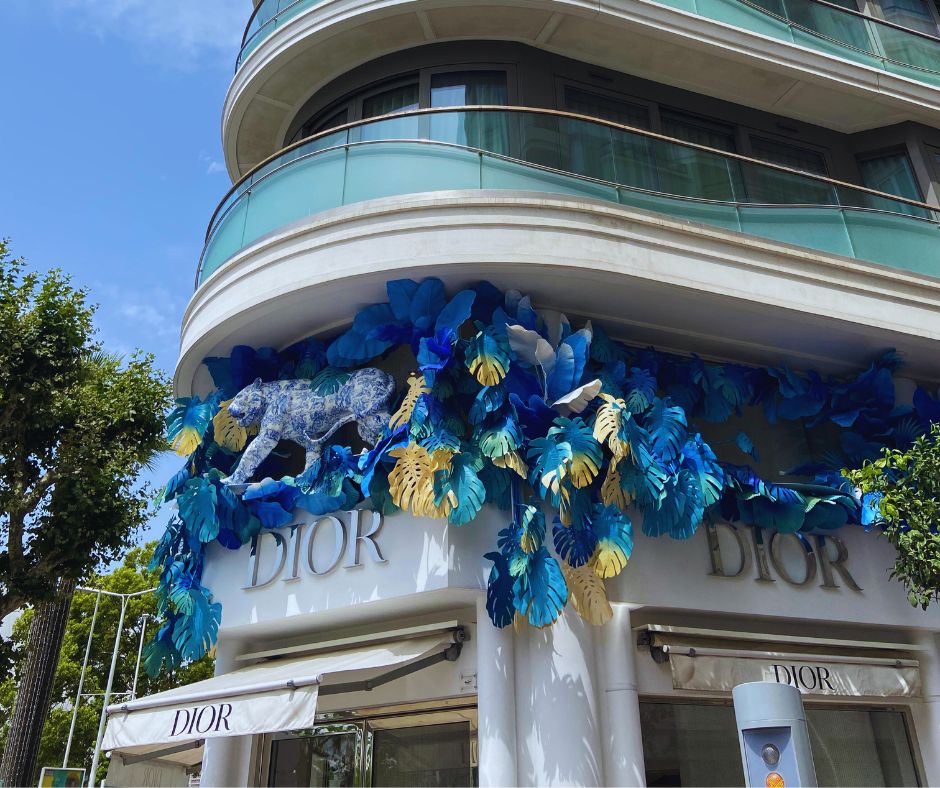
{"type": "Point", "coordinates": [278, 695]}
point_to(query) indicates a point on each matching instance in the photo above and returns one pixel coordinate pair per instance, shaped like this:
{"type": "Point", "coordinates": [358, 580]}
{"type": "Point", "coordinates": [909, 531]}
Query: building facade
{"type": "Point", "coordinates": [741, 183]}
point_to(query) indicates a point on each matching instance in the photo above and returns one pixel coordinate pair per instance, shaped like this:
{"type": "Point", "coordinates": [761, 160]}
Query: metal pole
{"type": "Point", "coordinates": [81, 681]}
{"type": "Point", "coordinates": [107, 693]}
{"type": "Point", "coordinates": [140, 650]}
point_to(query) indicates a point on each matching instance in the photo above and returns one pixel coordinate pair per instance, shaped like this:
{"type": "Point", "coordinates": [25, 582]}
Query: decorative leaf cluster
{"type": "Point", "coordinates": [515, 409]}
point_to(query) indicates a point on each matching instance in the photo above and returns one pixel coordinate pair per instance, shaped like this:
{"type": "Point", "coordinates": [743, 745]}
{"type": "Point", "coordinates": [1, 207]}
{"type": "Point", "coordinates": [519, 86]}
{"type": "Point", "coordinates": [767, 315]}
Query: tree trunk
{"type": "Point", "coordinates": [34, 688]}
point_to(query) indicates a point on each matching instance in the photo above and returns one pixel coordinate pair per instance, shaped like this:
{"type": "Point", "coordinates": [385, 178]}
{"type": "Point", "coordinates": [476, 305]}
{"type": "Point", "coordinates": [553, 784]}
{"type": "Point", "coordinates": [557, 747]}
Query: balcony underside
{"type": "Point", "coordinates": [651, 279]}
{"type": "Point", "coordinates": [637, 37]}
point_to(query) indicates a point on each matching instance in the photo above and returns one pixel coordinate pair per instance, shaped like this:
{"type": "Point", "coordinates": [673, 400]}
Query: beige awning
{"type": "Point", "coordinates": [272, 696]}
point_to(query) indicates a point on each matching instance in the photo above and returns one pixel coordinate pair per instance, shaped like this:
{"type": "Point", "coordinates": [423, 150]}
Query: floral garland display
{"type": "Point", "coordinates": [516, 409]}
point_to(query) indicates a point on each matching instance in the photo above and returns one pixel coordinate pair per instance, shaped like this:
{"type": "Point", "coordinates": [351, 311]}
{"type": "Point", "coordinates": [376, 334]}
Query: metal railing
{"type": "Point", "coordinates": [496, 147]}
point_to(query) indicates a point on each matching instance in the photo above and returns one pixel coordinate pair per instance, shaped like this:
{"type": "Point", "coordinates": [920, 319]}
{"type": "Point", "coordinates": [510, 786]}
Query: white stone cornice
{"type": "Point", "coordinates": [648, 277]}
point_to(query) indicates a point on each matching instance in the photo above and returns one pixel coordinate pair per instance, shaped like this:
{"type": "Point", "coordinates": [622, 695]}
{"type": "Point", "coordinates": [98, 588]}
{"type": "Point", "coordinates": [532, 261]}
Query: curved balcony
{"type": "Point", "coordinates": [506, 148]}
{"type": "Point", "coordinates": [815, 24]}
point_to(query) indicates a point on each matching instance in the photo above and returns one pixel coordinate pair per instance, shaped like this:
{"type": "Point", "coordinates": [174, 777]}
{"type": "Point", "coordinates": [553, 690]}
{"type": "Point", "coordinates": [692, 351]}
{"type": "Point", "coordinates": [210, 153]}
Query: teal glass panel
{"type": "Point", "coordinates": [499, 174]}
{"type": "Point", "coordinates": [227, 239]}
{"type": "Point", "coordinates": [409, 127]}
{"type": "Point", "coordinates": [306, 187]}
{"type": "Point", "coordinates": [540, 138]}
{"type": "Point", "coordinates": [600, 105]}
{"type": "Point", "coordinates": [832, 23]}
{"type": "Point", "coordinates": [908, 48]}
{"type": "Point", "coordinates": [408, 168]}
{"type": "Point", "coordinates": [725, 216]}
{"type": "Point", "coordinates": [741, 15]}
{"type": "Point", "coordinates": [895, 241]}
{"type": "Point", "coordinates": [693, 173]}
{"type": "Point", "coordinates": [817, 228]}
{"type": "Point", "coordinates": [634, 164]}
{"type": "Point", "coordinates": [768, 186]}
{"type": "Point", "coordinates": [489, 131]}
{"type": "Point", "coordinates": [587, 149]}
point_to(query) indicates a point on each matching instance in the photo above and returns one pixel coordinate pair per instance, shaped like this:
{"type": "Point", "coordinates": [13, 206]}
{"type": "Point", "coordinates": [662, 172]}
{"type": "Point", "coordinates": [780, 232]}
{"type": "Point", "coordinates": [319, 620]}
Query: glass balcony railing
{"type": "Point", "coordinates": [267, 18]}
{"type": "Point", "coordinates": [814, 24]}
{"type": "Point", "coordinates": [560, 153]}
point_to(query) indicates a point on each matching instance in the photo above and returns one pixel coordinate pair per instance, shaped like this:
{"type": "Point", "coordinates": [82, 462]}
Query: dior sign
{"type": "Point", "coordinates": [314, 547]}
{"type": "Point", "coordinates": [797, 559]}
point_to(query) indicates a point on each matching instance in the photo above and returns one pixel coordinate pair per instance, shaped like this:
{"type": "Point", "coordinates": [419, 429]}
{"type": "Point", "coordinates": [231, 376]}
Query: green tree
{"type": "Point", "coordinates": [905, 488]}
{"type": "Point", "coordinates": [133, 575]}
{"type": "Point", "coordinates": [76, 427]}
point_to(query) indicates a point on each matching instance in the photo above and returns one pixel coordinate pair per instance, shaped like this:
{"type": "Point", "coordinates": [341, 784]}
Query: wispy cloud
{"type": "Point", "coordinates": [213, 166]}
{"type": "Point", "coordinates": [180, 33]}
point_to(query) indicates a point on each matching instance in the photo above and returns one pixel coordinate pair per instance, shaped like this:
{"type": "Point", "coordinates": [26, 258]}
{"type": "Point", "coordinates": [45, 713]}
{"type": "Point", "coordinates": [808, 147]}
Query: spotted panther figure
{"type": "Point", "coordinates": [291, 410]}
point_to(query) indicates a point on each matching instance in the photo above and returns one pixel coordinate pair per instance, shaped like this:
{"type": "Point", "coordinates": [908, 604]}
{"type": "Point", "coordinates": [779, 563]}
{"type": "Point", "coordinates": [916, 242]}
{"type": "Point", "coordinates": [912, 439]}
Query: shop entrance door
{"type": "Point", "coordinates": [695, 743]}
{"type": "Point", "coordinates": [434, 748]}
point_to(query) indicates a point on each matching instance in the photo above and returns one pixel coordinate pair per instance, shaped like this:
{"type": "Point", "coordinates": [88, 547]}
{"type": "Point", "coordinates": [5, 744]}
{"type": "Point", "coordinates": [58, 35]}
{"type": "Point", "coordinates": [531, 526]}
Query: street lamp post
{"type": "Point", "coordinates": [102, 720]}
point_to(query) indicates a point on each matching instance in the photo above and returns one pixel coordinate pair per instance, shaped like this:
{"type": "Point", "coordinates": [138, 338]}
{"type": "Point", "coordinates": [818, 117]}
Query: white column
{"type": "Point", "coordinates": [226, 761]}
{"type": "Point", "coordinates": [496, 701]}
{"type": "Point", "coordinates": [928, 721]}
{"type": "Point", "coordinates": [621, 738]}
{"type": "Point", "coordinates": [558, 730]}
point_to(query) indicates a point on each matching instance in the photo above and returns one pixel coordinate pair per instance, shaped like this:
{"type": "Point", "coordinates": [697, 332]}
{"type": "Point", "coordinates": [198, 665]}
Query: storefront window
{"type": "Point", "coordinates": [433, 748]}
{"type": "Point", "coordinates": [697, 744]}
{"type": "Point", "coordinates": [429, 755]}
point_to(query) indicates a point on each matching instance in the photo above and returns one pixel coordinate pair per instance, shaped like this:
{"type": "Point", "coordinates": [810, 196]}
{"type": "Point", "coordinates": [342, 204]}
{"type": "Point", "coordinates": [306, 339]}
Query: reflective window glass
{"type": "Point", "coordinates": [468, 88]}
{"type": "Point", "coordinates": [697, 744]}
{"type": "Point", "coordinates": [788, 155]}
{"type": "Point", "coordinates": [914, 14]}
{"type": "Point", "coordinates": [891, 173]}
{"type": "Point", "coordinates": [396, 99]}
{"type": "Point", "coordinates": [428, 755]}
{"type": "Point", "coordinates": [598, 105]}
{"type": "Point", "coordinates": [322, 761]}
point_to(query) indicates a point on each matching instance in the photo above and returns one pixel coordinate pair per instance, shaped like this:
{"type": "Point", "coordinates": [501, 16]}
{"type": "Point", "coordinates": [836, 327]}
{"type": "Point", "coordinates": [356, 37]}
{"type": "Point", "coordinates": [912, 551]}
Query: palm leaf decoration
{"type": "Point", "coordinates": [614, 533]}
{"type": "Point", "coordinates": [513, 461]}
{"type": "Point", "coordinates": [612, 492]}
{"type": "Point", "coordinates": [588, 594]}
{"type": "Point", "coordinates": [641, 390]}
{"type": "Point", "coordinates": [329, 381]}
{"type": "Point", "coordinates": [194, 635]}
{"type": "Point", "coordinates": [576, 543]}
{"type": "Point", "coordinates": [666, 424]}
{"type": "Point", "coordinates": [228, 432]}
{"type": "Point", "coordinates": [458, 484]}
{"type": "Point", "coordinates": [541, 591]}
{"type": "Point", "coordinates": [607, 425]}
{"type": "Point", "coordinates": [548, 465]}
{"type": "Point", "coordinates": [499, 591]}
{"type": "Point", "coordinates": [487, 356]}
{"type": "Point", "coordinates": [585, 451]}
{"type": "Point", "coordinates": [532, 527]}
{"type": "Point", "coordinates": [197, 509]}
{"type": "Point", "coordinates": [410, 481]}
{"type": "Point", "coordinates": [187, 424]}
{"type": "Point", "coordinates": [500, 435]}
{"type": "Point", "coordinates": [416, 387]}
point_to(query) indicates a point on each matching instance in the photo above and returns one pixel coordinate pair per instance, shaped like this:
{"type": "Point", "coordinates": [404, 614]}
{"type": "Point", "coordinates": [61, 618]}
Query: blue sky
{"type": "Point", "coordinates": [111, 153]}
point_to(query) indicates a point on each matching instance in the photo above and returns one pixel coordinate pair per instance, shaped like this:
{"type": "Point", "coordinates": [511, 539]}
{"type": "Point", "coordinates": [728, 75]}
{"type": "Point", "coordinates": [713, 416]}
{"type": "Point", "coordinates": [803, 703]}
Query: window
{"type": "Point", "coordinates": [773, 187]}
{"type": "Point", "coordinates": [598, 105]}
{"type": "Point", "coordinates": [697, 744]}
{"type": "Point", "coordinates": [787, 155]}
{"type": "Point", "coordinates": [891, 173]}
{"type": "Point", "coordinates": [913, 14]}
{"type": "Point", "coordinates": [698, 130]}
{"type": "Point", "coordinates": [397, 99]}
{"type": "Point", "coordinates": [466, 88]}
{"type": "Point", "coordinates": [430, 748]}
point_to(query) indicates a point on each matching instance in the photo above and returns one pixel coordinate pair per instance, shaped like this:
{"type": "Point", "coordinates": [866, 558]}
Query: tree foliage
{"type": "Point", "coordinates": [76, 427]}
{"type": "Point", "coordinates": [133, 575]}
{"type": "Point", "coordinates": [902, 494]}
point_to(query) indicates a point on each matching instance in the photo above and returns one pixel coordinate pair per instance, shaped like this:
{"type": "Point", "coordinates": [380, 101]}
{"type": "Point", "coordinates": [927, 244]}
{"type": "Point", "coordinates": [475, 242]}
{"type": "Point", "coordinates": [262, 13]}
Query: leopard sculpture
{"type": "Point", "coordinates": [291, 410]}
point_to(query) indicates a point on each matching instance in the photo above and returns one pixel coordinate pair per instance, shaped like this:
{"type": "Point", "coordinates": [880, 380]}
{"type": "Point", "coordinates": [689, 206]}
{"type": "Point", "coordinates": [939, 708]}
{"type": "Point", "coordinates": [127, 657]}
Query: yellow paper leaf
{"type": "Point", "coordinates": [228, 432]}
{"type": "Point", "coordinates": [411, 477]}
{"type": "Point", "coordinates": [513, 460]}
{"type": "Point", "coordinates": [588, 594]}
{"type": "Point", "coordinates": [186, 442]}
{"type": "Point", "coordinates": [612, 493]}
{"type": "Point", "coordinates": [416, 387]}
{"type": "Point", "coordinates": [607, 425]}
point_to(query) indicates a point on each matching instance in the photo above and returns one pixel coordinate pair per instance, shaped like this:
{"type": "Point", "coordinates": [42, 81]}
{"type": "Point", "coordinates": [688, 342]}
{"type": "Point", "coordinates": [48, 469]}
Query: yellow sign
{"type": "Point", "coordinates": [52, 777]}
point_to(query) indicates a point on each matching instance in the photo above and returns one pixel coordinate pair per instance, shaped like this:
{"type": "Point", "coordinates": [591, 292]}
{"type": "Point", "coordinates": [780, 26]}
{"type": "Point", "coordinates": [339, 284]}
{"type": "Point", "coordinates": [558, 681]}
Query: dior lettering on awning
{"type": "Point", "coordinates": [825, 676]}
{"type": "Point", "coordinates": [201, 719]}
{"type": "Point", "coordinates": [820, 559]}
{"type": "Point", "coordinates": [314, 547]}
